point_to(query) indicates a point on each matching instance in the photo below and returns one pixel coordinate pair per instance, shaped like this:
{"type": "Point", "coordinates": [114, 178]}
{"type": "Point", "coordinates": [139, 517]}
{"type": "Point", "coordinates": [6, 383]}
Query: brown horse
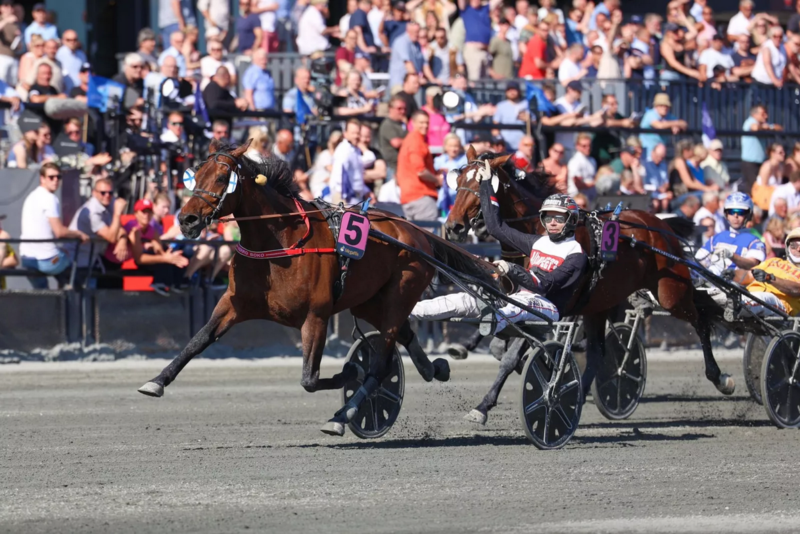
{"type": "Point", "coordinates": [634, 269]}
{"type": "Point", "coordinates": [295, 286]}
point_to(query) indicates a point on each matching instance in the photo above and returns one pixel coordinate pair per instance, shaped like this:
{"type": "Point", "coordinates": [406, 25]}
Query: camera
{"type": "Point", "coordinates": [321, 69]}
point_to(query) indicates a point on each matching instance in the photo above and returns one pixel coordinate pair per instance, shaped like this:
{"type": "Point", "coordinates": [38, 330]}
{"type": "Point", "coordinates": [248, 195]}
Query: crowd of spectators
{"type": "Point", "coordinates": [393, 139]}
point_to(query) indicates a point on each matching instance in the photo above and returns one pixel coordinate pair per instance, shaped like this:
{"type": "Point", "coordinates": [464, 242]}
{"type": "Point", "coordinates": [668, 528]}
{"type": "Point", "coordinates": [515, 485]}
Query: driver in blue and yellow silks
{"type": "Point", "coordinates": [735, 247]}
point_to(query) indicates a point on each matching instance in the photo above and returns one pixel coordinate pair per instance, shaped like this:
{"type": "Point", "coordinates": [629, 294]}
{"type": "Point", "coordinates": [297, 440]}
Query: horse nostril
{"type": "Point", "coordinates": [188, 220]}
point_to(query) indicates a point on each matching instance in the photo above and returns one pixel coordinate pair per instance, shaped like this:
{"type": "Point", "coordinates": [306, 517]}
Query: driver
{"type": "Point", "coordinates": [777, 281]}
{"type": "Point", "coordinates": [735, 247]}
{"type": "Point", "coordinates": [557, 265]}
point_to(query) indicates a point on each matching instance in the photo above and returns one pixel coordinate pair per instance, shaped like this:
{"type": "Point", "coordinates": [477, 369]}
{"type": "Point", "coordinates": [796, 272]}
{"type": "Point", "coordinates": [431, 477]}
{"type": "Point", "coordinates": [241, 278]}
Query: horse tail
{"type": "Point", "coordinates": [460, 260]}
{"type": "Point", "coordinates": [682, 227]}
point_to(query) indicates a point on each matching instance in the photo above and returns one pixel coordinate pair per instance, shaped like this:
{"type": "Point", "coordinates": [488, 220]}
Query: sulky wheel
{"type": "Point", "coordinates": [378, 411]}
{"type": "Point", "coordinates": [754, 350]}
{"type": "Point", "coordinates": [780, 390]}
{"type": "Point", "coordinates": [619, 384]}
{"type": "Point", "coordinates": [550, 414]}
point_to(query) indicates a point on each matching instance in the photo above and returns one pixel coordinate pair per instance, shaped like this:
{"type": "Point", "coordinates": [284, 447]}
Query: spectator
{"type": "Point", "coordinates": [688, 207]}
{"type": "Point", "coordinates": [42, 91]}
{"type": "Point", "coordinates": [220, 132]}
{"type": "Point", "coordinates": [175, 49]}
{"type": "Point", "coordinates": [793, 26]}
{"type": "Point", "coordinates": [71, 58]}
{"type": "Point", "coordinates": [260, 147]}
{"type": "Point", "coordinates": [40, 26]}
{"type": "Point", "coordinates": [374, 165]}
{"type": "Point", "coordinates": [174, 16]}
{"type": "Point", "coordinates": [409, 92]}
{"type": "Point", "coordinates": [781, 210]}
{"type": "Point", "coordinates": [8, 259]}
{"type": "Point", "coordinates": [360, 23]}
{"type": "Point", "coordinates": [774, 236]}
{"type": "Point", "coordinates": [248, 28]}
{"type": "Point", "coordinates": [659, 118]}
{"type": "Point", "coordinates": [710, 210]}
{"type": "Point", "coordinates": [478, 28]}
{"type": "Point", "coordinates": [347, 174]}
{"type": "Point", "coordinates": [147, 47]}
{"type": "Point", "coordinates": [25, 152]}
{"type": "Point", "coordinates": [97, 217]}
{"type": "Point", "coordinates": [363, 65]}
{"type": "Point", "coordinates": [406, 56]}
{"type": "Point", "coordinates": [131, 77]}
{"type": "Point", "coordinates": [771, 172]}
{"type": "Point", "coordinates": [319, 182]}
{"type": "Point", "coordinates": [570, 105]}
{"type": "Point", "coordinates": [753, 154]}
{"type": "Point", "coordinates": [442, 56]}
{"type": "Point", "coordinates": [174, 132]}
{"type": "Point", "coordinates": [534, 61]}
{"type": "Point", "coordinates": [467, 109]}
{"type": "Point", "coordinates": [302, 87]}
{"type": "Point", "coordinates": [394, 23]}
{"type": "Point", "coordinates": [392, 132]}
{"type": "Point", "coordinates": [217, 95]}
{"type": "Point", "coordinates": [511, 111]}
{"type": "Point", "coordinates": [606, 142]}
{"type": "Point", "coordinates": [715, 170]}
{"type": "Point", "coordinates": [216, 59]}
{"type": "Point", "coordinates": [656, 178]}
{"type": "Point", "coordinates": [682, 176]}
{"type": "Point", "coordinates": [438, 127]}
{"type": "Point", "coordinates": [216, 19]}
{"type": "Point", "coordinates": [744, 60]}
{"type": "Point", "coordinates": [582, 168]}
{"type": "Point", "coordinates": [526, 26]}
{"type": "Point", "coordinates": [523, 157]}
{"type": "Point", "coordinates": [452, 158]}
{"type": "Point", "coordinates": [312, 32]}
{"type": "Point", "coordinates": [502, 67]}
{"type": "Point", "coordinates": [41, 220]}
{"type": "Point", "coordinates": [345, 57]}
{"type": "Point", "coordinates": [148, 252]}
{"type": "Point", "coordinates": [267, 11]}
{"type": "Point", "coordinates": [628, 160]}
{"type": "Point", "coordinates": [356, 103]}
{"type": "Point", "coordinates": [258, 85]}
{"type": "Point", "coordinates": [740, 23]}
{"type": "Point", "coordinates": [419, 184]}
{"type": "Point", "coordinates": [29, 59]}
{"type": "Point", "coordinates": [793, 163]}
{"type": "Point", "coordinates": [713, 56]}
{"type": "Point", "coordinates": [49, 58]}
{"type": "Point", "coordinates": [554, 166]}
{"type": "Point", "coordinates": [344, 22]}
{"type": "Point", "coordinates": [283, 149]}
{"type": "Point", "coordinates": [570, 70]}
{"type": "Point", "coordinates": [676, 50]}
{"type": "Point", "coordinates": [771, 60]}
{"type": "Point", "coordinates": [9, 46]}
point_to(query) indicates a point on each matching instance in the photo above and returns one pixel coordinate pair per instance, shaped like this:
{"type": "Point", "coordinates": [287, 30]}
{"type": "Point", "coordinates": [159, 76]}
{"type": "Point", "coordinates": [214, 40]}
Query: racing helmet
{"type": "Point", "coordinates": [562, 204]}
{"type": "Point", "coordinates": [738, 201]}
{"type": "Point", "coordinates": [794, 234]}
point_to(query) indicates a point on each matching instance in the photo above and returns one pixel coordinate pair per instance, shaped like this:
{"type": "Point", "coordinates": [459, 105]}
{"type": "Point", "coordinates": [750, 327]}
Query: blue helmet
{"type": "Point", "coordinates": [738, 201]}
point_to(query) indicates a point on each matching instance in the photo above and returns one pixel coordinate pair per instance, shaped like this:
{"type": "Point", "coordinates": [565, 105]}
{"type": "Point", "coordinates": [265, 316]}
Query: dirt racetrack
{"type": "Point", "coordinates": [235, 446]}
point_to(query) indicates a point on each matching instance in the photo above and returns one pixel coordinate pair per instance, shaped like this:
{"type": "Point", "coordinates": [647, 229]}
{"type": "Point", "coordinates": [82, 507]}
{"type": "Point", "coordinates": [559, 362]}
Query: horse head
{"type": "Point", "coordinates": [213, 184]}
{"type": "Point", "coordinates": [466, 212]}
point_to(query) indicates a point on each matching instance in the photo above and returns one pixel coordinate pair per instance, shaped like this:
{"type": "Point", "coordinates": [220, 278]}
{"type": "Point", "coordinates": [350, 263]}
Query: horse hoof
{"type": "Point", "coordinates": [476, 416]}
{"type": "Point", "coordinates": [457, 351]}
{"type": "Point", "coordinates": [333, 428]}
{"type": "Point", "coordinates": [151, 389]}
{"type": "Point", "coordinates": [726, 385]}
{"type": "Point", "coordinates": [441, 370]}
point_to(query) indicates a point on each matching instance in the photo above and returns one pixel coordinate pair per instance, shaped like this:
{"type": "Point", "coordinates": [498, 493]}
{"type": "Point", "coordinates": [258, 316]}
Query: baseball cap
{"type": "Point", "coordinates": [39, 7]}
{"type": "Point", "coordinates": [143, 204]}
{"type": "Point", "coordinates": [670, 27]}
{"type": "Point", "coordinates": [575, 85]}
{"type": "Point", "coordinates": [498, 140]}
{"type": "Point", "coordinates": [512, 85]}
{"type": "Point", "coordinates": [716, 144]}
{"type": "Point", "coordinates": [86, 67]}
{"type": "Point", "coordinates": [29, 121]}
{"type": "Point", "coordinates": [717, 37]}
{"type": "Point", "coordinates": [433, 90]}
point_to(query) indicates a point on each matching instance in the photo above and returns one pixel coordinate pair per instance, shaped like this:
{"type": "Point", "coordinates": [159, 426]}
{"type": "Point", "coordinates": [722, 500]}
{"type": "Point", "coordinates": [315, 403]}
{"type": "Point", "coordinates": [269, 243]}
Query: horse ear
{"type": "Point", "coordinates": [499, 162]}
{"type": "Point", "coordinates": [214, 146]}
{"type": "Point", "coordinates": [471, 154]}
{"type": "Point", "coordinates": [241, 149]}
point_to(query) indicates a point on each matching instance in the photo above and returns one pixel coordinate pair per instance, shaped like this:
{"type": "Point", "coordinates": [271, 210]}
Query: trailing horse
{"type": "Point", "coordinates": [635, 268]}
{"type": "Point", "coordinates": [286, 267]}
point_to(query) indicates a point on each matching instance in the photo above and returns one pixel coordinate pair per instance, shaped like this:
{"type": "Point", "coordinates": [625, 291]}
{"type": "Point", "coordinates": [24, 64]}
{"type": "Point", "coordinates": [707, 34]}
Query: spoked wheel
{"type": "Point", "coordinates": [780, 387]}
{"type": "Point", "coordinates": [550, 414]}
{"type": "Point", "coordinates": [619, 384]}
{"type": "Point", "coordinates": [754, 349]}
{"type": "Point", "coordinates": [379, 411]}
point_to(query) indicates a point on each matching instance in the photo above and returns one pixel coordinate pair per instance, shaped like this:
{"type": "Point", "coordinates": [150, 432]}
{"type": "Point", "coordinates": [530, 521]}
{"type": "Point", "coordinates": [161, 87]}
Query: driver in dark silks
{"type": "Point", "coordinates": [557, 264]}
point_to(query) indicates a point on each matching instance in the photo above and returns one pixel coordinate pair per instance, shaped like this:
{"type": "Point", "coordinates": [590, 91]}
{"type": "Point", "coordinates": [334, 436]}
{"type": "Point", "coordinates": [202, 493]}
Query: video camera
{"type": "Point", "coordinates": [321, 69]}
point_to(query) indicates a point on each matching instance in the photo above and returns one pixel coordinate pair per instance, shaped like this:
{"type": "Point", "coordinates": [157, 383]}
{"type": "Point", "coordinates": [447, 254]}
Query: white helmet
{"type": "Point", "coordinates": [793, 235]}
{"type": "Point", "coordinates": [738, 201]}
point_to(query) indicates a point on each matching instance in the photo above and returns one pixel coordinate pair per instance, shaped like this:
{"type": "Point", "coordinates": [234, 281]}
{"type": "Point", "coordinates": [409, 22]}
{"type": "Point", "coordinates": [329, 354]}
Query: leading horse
{"type": "Point", "coordinates": [635, 268]}
{"type": "Point", "coordinates": [286, 267]}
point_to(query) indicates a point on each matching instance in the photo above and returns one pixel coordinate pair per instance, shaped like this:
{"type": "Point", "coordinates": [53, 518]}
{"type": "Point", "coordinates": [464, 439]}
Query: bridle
{"type": "Point", "coordinates": [220, 198]}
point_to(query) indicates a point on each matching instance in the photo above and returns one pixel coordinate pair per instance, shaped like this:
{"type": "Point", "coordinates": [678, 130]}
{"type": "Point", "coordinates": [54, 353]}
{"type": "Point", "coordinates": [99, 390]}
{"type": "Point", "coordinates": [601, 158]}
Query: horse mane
{"type": "Point", "coordinates": [278, 172]}
{"type": "Point", "coordinates": [537, 183]}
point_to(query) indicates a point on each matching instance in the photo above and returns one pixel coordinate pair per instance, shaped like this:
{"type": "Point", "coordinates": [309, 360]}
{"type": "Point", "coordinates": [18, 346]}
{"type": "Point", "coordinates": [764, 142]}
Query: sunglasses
{"type": "Point", "coordinates": [106, 193]}
{"type": "Point", "coordinates": [738, 213]}
{"type": "Point", "coordinates": [53, 176]}
{"type": "Point", "coordinates": [560, 219]}
{"type": "Point", "coordinates": [794, 245]}
{"type": "Point", "coordinates": [177, 124]}
{"type": "Point", "coordinates": [69, 40]}
{"type": "Point", "coordinates": [73, 132]}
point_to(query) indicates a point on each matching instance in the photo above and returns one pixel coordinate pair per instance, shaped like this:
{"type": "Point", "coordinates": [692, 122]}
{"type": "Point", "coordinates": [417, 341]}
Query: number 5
{"type": "Point", "coordinates": [352, 234]}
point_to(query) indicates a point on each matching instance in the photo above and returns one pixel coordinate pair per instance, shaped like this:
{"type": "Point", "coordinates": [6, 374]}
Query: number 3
{"type": "Point", "coordinates": [612, 235]}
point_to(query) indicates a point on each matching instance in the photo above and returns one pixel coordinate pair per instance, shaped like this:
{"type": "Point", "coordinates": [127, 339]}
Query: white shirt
{"type": "Point", "coordinates": [711, 58]}
{"type": "Point", "coordinates": [347, 164]}
{"type": "Point", "coordinates": [520, 21]}
{"type": "Point", "coordinates": [344, 24]}
{"type": "Point", "coordinates": [268, 17]}
{"type": "Point", "coordinates": [219, 10]}
{"type": "Point", "coordinates": [37, 210]}
{"type": "Point", "coordinates": [786, 192]}
{"type": "Point", "coordinates": [738, 24]}
{"type": "Point", "coordinates": [568, 69]}
{"type": "Point", "coordinates": [375, 17]}
{"type": "Point", "coordinates": [705, 213]}
{"type": "Point", "coordinates": [543, 12]}
{"type": "Point", "coordinates": [583, 167]}
{"type": "Point", "coordinates": [309, 33]}
{"type": "Point", "coordinates": [209, 66]}
{"type": "Point", "coordinates": [777, 57]}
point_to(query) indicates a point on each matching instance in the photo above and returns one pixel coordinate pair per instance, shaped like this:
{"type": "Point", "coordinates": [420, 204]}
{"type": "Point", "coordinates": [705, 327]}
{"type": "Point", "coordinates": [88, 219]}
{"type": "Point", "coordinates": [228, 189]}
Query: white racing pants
{"type": "Point", "coordinates": [769, 298]}
{"type": "Point", "coordinates": [464, 305]}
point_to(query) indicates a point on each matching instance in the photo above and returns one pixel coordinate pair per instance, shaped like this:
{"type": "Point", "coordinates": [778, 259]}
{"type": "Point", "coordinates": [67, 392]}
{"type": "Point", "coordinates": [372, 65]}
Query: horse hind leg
{"type": "Point", "coordinates": [509, 362]}
{"type": "Point", "coordinates": [677, 298]}
{"type": "Point", "coordinates": [438, 369]}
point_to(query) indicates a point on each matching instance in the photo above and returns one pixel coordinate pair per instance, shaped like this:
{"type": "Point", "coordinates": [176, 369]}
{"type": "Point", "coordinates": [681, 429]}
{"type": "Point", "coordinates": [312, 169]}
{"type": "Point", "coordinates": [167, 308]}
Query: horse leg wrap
{"type": "Point", "coordinates": [350, 409]}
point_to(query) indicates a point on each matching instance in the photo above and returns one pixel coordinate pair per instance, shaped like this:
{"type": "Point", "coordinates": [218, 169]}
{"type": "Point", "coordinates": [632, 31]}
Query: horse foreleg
{"type": "Point", "coordinates": [438, 369]}
{"type": "Point", "coordinates": [314, 332]}
{"type": "Point", "coordinates": [508, 364]}
{"type": "Point", "coordinates": [595, 328]}
{"type": "Point", "coordinates": [723, 382]}
{"type": "Point", "coordinates": [221, 321]}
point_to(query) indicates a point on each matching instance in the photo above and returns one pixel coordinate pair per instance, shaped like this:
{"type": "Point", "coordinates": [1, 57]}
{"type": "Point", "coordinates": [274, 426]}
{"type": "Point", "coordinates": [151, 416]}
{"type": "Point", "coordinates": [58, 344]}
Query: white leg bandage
{"type": "Point", "coordinates": [446, 306]}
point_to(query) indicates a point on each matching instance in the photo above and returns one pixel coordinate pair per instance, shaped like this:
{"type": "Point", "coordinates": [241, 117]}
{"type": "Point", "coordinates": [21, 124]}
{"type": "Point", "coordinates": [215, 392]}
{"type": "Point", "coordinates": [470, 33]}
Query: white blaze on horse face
{"type": "Point", "coordinates": [189, 180]}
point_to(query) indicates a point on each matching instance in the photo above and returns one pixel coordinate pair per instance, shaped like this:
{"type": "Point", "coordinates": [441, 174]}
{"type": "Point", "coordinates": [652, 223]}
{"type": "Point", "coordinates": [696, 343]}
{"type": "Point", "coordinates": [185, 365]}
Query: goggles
{"type": "Point", "coordinates": [560, 219]}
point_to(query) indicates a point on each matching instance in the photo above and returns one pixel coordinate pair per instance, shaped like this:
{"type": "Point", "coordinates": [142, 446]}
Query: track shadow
{"type": "Point", "coordinates": [691, 423]}
{"type": "Point", "coordinates": [692, 398]}
{"type": "Point", "coordinates": [626, 439]}
{"type": "Point", "coordinates": [424, 442]}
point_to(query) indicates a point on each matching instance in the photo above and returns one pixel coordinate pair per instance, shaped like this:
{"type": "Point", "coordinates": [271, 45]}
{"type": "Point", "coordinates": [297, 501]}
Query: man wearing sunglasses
{"type": "Point", "coordinates": [555, 273]}
{"type": "Point", "coordinates": [734, 247]}
{"type": "Point", "coordinates": [776, 281]}
{"type": "Point", "coordinates": [41, 220]}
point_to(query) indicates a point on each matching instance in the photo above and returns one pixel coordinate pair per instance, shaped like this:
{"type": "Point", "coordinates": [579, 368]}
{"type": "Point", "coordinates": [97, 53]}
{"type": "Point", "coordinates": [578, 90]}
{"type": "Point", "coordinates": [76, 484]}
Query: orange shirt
{"type": "Point", "coordinates": [414, 156]}
{"type": "Point", "coordinates": [536, 48]}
